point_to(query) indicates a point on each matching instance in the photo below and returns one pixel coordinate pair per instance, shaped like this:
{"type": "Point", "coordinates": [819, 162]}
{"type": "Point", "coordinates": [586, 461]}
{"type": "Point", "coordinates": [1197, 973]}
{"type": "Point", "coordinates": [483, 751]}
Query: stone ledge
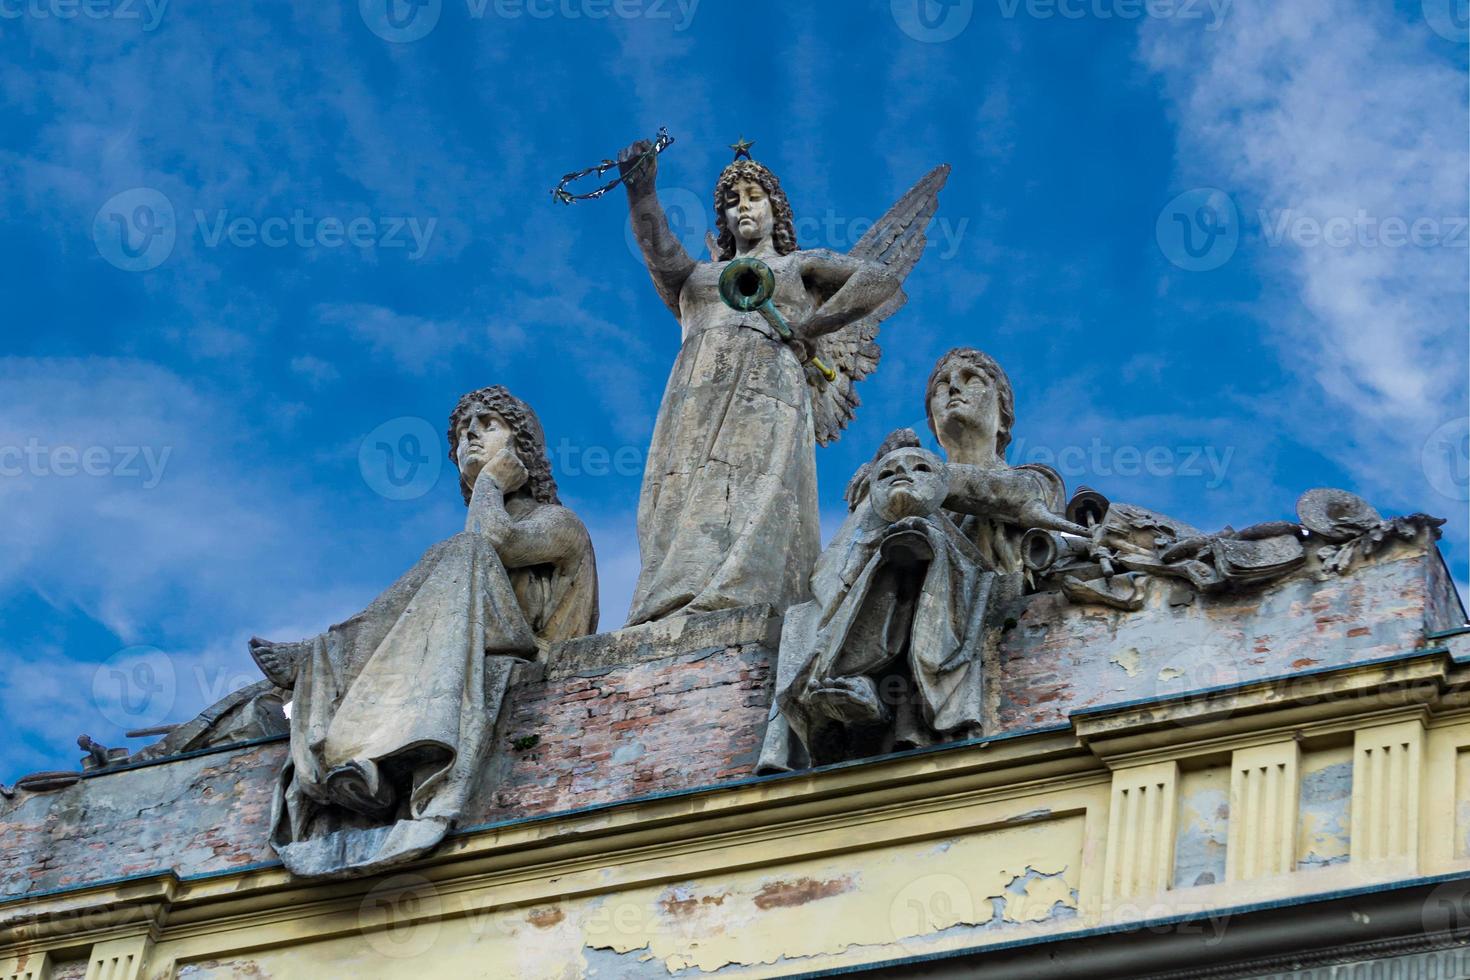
{"type": "Point", "coordinates": [749, 625]}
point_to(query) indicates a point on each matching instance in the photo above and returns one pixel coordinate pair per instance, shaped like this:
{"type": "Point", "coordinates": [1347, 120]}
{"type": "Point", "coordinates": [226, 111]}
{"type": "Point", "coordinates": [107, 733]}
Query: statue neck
{"type": "Point", "coordinates": [762, 248]}
{"type": "Point", "coordinates": [976, 453]}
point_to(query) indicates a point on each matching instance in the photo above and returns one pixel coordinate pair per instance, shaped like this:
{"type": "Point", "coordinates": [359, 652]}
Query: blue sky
{"type": "Point", "coordinates": [1219, 247]}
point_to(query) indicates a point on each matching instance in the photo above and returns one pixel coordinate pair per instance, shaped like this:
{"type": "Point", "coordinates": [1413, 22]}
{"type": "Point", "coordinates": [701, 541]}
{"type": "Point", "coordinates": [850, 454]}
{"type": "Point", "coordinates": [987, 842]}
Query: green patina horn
{"type": "Point", "coordinates": [748, 284]}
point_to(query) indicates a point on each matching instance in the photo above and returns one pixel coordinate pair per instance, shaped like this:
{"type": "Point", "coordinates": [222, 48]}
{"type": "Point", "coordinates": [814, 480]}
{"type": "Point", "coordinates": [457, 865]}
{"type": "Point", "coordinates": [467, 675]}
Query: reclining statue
{"type": "Point", "coordinates": [393, 709]}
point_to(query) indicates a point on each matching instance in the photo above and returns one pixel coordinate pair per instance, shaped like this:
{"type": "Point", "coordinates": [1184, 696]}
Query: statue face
{"type": "Point", "coordinates": [908, 483]}
{"type": "Point", "coordinates": [482, 436]}
{"type": "Point", "coordinates": [965, 406]}
{"type": "Point", "coordinates": [748, 212]}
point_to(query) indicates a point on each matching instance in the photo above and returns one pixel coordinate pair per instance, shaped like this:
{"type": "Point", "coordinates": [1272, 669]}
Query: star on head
{"type": "Point", "coordinates": [742, 148]}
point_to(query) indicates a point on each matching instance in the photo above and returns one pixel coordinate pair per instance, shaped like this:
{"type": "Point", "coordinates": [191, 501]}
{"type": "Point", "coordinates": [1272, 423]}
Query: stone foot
{"type": "Point", "coordinates": [277, 661]}
{"type": "Point", "coordinates": [850, 700]}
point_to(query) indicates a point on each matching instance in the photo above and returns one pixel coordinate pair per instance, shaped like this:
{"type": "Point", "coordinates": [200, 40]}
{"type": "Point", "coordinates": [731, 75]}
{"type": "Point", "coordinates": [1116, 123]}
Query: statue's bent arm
{"type": "Point", "coordinates": [550, 535]}
{"type": "Point", "coordinates": [854, 287]}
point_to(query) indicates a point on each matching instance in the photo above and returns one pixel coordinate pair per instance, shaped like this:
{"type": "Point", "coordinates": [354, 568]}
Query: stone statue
{"type": "Point", "coordinates": [887, 656]}
{"type": "Point", "coordinates": [728, 511]}
{"type": "Point", "coordinates": [393, 709]}
{"type": "Point", "coordinates": [887, 650]}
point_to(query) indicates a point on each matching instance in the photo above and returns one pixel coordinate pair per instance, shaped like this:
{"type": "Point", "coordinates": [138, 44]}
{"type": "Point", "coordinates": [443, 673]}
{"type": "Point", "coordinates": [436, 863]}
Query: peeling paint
{"type": "Point", "coordinates": [226, 970]}
{"type": "Point", "coordinates": [1204, 827]}
{"type": "Point", "coordinates": [1035, 896]}
{"type": "Point", "coordinates": [896, 900]}
{"type": "Point", "coordinates": [785, 894]}
{"type": "Point", "coordinates": [545, 918]}
{"type": "Point", "coordinates": [1128, 660]}
{"type": "Point", "coordinates": [1324, 835]}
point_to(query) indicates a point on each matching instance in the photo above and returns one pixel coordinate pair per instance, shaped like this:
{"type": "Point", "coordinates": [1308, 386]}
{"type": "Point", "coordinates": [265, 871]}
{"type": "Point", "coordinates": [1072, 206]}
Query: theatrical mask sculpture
{"type": "Point", "coordinates": [393, 709]}
{"type": "Point", "coordinates": [728, 513]}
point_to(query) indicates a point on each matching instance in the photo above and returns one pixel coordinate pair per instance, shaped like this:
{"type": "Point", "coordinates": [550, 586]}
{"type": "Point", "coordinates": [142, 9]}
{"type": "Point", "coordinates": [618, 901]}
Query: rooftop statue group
{"type": "Point", "coordinates": [882, 647]}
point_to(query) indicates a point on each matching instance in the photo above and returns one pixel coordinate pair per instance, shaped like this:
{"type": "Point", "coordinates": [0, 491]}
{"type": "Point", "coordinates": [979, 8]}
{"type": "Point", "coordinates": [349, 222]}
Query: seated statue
{"type": "Point", "coordinates": [393, 709]}
{"type": "Point", "coordinates": [888, 654]}
{"type": "Point", "coordinates": [883, 658]}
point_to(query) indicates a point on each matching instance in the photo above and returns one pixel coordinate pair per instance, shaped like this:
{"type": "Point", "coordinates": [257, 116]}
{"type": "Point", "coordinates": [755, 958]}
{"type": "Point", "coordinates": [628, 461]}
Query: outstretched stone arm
{"type": "Point", "coordinates": [1009, 495]}
{"type": "Point", "coordinates": [855, 289]}
{"type": "Point", "coordinates": [668, 263]}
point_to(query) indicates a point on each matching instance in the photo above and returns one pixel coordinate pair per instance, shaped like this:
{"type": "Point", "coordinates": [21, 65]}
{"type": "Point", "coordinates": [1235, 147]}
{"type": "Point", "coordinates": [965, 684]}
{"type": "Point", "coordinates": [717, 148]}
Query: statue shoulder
{"type": "Point", "coordinates": [1049, 484]}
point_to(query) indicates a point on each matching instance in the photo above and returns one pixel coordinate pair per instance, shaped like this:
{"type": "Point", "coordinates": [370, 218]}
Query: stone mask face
{"type": "Point", "coordinates": [908, 483]}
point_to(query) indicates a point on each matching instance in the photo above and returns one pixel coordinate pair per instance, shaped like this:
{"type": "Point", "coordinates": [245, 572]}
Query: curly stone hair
{"type": "Point", "coordinates": [987, 365]}
{"type": "Point", "coordinates": [783, 228]}
{"type": "Point", "coordinates": [529, 441]}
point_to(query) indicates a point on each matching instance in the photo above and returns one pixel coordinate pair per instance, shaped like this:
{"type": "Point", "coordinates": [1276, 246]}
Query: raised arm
{"type": "Point", "coordinates": [854, 288]}
{"type": "Point", "coordinates": [668, 263]}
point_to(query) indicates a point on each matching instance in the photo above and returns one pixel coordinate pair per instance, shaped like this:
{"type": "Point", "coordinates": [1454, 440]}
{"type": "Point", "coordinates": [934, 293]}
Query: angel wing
{"type": "Point", "coordinates": [896, 241]}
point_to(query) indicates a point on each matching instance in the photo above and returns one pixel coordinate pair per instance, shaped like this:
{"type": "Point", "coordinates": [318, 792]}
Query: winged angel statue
{"type": "Point", "coordinates": [728, 512]}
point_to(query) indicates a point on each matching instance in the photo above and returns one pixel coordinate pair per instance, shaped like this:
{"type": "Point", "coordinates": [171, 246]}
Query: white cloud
{"type": "Point", "coordinates": [1329, 110]}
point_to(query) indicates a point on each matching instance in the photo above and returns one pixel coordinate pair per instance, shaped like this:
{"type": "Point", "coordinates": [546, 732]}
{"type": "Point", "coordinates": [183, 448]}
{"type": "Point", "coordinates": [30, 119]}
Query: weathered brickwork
{"type": "Point", "coordinates": [583, 733]}
{"type": "Point", "coordinates": [1053, 659]}
{"type": "Point", "coordinates": [613, 734]}
{"type": "Point", "coordinates": [652, 728]}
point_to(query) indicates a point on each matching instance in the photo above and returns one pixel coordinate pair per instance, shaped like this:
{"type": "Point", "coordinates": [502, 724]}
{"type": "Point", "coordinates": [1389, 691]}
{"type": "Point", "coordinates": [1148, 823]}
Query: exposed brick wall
{"type": "Point", "coordinates": [665, 725]}
{"type": "Point", "coordinates": [651, 728]}
{"type": "Point", "coordinates": [609, 734]}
